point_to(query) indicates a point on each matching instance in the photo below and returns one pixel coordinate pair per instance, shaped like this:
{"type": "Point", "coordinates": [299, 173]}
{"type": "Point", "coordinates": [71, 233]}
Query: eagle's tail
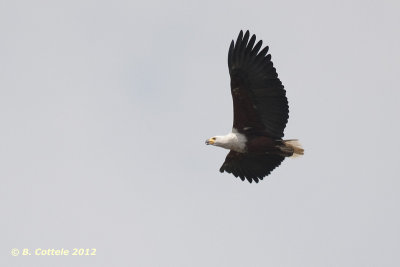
{"type": "Point", "coordinates": [292, 148]}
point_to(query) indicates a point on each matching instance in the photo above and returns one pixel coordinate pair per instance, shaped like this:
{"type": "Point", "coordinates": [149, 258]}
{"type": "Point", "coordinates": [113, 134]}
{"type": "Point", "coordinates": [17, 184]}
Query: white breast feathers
{"type": "Point", "coordinates": [233, 141]}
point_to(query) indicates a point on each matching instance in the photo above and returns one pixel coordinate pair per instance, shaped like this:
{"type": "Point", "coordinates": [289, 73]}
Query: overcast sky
{"type": "Point", "coordinates": [105, 107]}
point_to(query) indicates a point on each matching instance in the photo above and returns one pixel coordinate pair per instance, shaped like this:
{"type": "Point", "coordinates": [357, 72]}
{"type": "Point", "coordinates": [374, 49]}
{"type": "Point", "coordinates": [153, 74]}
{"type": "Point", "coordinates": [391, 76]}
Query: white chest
{"type": "Point", "coordinates": [234, 141]}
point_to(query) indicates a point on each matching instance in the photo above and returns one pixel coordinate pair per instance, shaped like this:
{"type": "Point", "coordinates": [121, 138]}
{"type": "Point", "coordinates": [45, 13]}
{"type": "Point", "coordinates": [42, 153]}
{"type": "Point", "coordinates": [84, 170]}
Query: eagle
{"type": "Point", "coordinates": [260, 113]}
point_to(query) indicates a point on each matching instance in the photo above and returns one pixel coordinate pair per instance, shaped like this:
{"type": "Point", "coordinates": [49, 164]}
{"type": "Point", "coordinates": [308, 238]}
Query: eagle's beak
{"type": "Point", "coordinates": [209, 142]}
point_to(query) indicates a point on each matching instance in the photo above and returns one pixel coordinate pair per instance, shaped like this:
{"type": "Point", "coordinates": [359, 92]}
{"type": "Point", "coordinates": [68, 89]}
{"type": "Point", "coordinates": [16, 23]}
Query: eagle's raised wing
{"type": "Point", "coordinates": [259, 99]}
{"type": "Point", "coordinates": [253, 167]}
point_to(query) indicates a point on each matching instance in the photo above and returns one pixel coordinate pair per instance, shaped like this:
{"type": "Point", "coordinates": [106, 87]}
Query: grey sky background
{"type": "Point", "coordinates": [105, 106]}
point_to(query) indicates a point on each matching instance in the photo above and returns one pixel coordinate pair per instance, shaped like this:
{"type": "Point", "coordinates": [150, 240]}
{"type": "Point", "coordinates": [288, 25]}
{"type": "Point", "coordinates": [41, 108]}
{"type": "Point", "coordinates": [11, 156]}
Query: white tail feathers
{"type": "Point", "coordinates": [295, 146]}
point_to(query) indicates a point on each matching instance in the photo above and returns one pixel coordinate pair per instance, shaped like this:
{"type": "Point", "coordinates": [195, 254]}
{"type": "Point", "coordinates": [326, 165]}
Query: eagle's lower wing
{"type": "Point", "coordinates": [253, 167]}
{"type": "Point", "coordinates": [259, 99]}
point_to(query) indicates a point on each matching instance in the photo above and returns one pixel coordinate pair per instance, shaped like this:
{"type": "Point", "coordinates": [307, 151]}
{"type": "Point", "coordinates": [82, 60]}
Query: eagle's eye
{"type": "Point", "coordinates": [213, 138]}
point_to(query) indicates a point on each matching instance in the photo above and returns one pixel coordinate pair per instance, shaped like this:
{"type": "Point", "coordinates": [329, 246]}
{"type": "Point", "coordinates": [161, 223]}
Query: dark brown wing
{"type": "Point", "coordinates": [253, 167]}
{"type": "Point", "coordinates": [259, 99]}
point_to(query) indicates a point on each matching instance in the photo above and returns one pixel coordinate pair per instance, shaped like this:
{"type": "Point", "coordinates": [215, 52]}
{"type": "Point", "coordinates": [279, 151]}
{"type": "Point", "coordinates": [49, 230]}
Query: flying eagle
{"type": "Point", "coordinates": [260, 113]}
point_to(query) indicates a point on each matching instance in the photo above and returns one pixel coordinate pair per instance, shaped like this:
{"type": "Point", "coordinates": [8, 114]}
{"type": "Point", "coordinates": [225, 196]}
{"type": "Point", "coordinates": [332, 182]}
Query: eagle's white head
{"type": "Point", "coordinates": [233, 141]}
{"type": "Point", "coordinates": [217, 141]}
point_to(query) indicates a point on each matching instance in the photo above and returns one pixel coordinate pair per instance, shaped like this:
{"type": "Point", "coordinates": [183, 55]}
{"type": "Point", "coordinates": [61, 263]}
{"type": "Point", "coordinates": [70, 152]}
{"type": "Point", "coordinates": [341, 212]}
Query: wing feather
{"type": "Point", "coordinates": [259, 98]}
{"type": "Point", "coordinates": [253, 167]}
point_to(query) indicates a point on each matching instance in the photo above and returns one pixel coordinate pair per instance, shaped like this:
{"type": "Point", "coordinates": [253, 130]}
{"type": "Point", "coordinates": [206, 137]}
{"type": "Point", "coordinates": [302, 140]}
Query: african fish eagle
{"type": "Point", "coordinates": [260, 113]}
